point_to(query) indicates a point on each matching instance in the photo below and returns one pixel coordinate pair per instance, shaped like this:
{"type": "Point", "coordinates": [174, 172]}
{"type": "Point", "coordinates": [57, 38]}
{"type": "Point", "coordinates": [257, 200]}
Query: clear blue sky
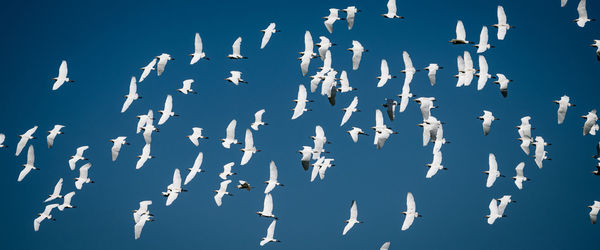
{"type": "Point", "coordinates": [105, 43]}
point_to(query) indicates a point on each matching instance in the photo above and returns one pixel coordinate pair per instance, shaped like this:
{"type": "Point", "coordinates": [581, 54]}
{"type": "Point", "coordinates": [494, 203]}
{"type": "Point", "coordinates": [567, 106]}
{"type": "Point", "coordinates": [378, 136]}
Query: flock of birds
{"type": "Point", "coordinates": [327, 78]}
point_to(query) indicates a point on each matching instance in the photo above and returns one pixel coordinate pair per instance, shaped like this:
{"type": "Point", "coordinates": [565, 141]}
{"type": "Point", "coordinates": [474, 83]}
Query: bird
{"type": "Point", "coordinates": [391, 6]}
{"type": "Point", "coordinates": [306, 155]}
{"type": "Point", "coordinates": [221, 192]}
{"type": "Point", "coordinates": [52, 134]}
{"type": "Point", "coordinates": [410, 213]}
{"type": "Point", "coordinates": [461, 35]}
{"type": "Point", "coordinates": [174, 188]}
{"type": "Point", "coordinates": [439, 140]}
{"type": "Point", "coordinates": [426, 104]}
{"type": "Point", "coordinates": [83, 176]}
{"type": "Point", "coordinates": [270, 233]}
{"type": "Point", "coordinates": [540, 152]}
{"type": "Point", "coordinates": [460, 62]}
{"type": "Point", "coordinates": [140, 224]}
{"type": "Point", "coordinates": [244, 185]}
{"type": "Point", "coordinates": [56, 193]}
{"type": "Point", "coordinates": [385, 246]}
{"type": "Point", "coordinates": [405, 96]}
{"type": "Point", "coordinates": [167, 111]}
{"type": "Point", "coordinates": [227, 171]}
{"type": "Point", "coordinates": [198, 53]}
{"type": "Point", "coordinates": [145, 156]}
{"type": "Point", "coordinates": [525, 134]}
{"type": "Point", "coordinates": [29, 165]}
{"type": "Point", "coordinates": [349, 110]}
{"type": "Point", "coordinates": [487, 119]}
{"type": "Point", "coordinates": [357, 51]}
{"type": "Point", "coordinates": [24, 139]}
{"type": "Point", "coordinates": [583, 16]}
{"type": "Point", "coordinates": [350, 15]}
{"type": "Point", "coordinates": [519, 178]}
{"type": "Point", "coordinates": [235, 78]}
{"type": "Point", "coordinates": [594, 213]}
{"type": "Point", "coordinates": [324, 166]}
{"type": "Point", "coordinates": [78, 156]}
{"type": "Point", "coordinates": [382, 132]}
{"type": "Point", "coordinates": [390, 105]}
{"type": "Point", "coordinates": [589, 127]}
{"type": "Point", "coordinates": [353, 218]}
{"type": "Point", "coordinates": [236, 47]}
{"type": "Point", "coordinates": [137, 214]}
{"type": "Point", "coordinates": [409, 69]}
{"type": "Point", "coordinates": [430, 129]}
{"type": "Point", "coordinates": [131, 96]}
{"type": "Point", "coordinates": [267, 208]}
{"type": "Point", "coordinates": [354, 132]}
{"type": "Point", "coordinates": [300, 102]}
{"type": "Point", "coordinates": [148, 129]}
{"type": "Point", "coordinates": [504, 201]}
{"type": "Point", "coordinates": [597, 45]}
{"type": "Point", "coordinates": [230, 135]}
{"type": "Point", "coordinates": [316, 168]}
{"type": "Point", "coordinates": [483, 73]}
{"type": "Point", "coordinates": [468, 70]}
{"type": "Point", "coordinates": [272, 182]}
{"type": "Point", "coordinates": [491, 218]}
{"type": "Point", "coordinates": [2, 138]}
{"type": "Point", "coordinates": [196, 134]}
{"type": "Point", "coordinates": [385, 74]}
{"type": "Point", "coordinates": [67, 201]}
{"type": "Point", "coordinates": [268, 32]}
{"type": "Point", "coordinates": [435, 165]}
{"type": "Point", "coordinates": [345, 83]}
{"type": "Point", "coordinates": [117, 143]}
{"type": "Point", "coordinates": [563, 104]}
{"type": "Point", "coordinates": [147, 69]}
{"type": "Point", "coordinates": [483, 44]}
{"type": "Point", "coordinates": [187, 87]}
{"type": "Point", "coordinates": [503, 82]}
{"type": "Point", "coordinates": [432, 68]}
{"type": "Point", "coordinates": [194, 169]}
{"type": "Point", "coordinates": [249, 148]}
{"type": "Point", "coordinates": [258, 120]}
{"type": "Point", "coordinates": [319, 140]}
{"type": "Point", "coordinates": [143, 119]}
{"type": "Point", "coordinates": [44, 215]}
{"type": "Point", "coordinates": [333, 16]}
{"type": "Point", "coordinates": [324, 44]}
{"type": "Point", "coordinates": [493, 172]}
{"type": "Point", "coordinates": [597, 171]}
{"type": "Point", "coordinates": [62, 76]}
{"type": "Point", "coordinates": [308, 46]}
{"type": "Point", "coordinates": [502, 25]}
{"type": "Point", "coordinates": [162, 62]}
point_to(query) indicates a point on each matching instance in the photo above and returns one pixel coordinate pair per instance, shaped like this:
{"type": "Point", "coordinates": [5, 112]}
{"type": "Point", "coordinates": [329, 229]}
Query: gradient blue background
{"type": "Point", "coordinates": [106, 42]}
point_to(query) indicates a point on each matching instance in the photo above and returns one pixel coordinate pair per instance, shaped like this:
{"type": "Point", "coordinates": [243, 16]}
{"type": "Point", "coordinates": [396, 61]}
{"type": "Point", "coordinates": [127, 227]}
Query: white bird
{"type": "Point", "coordinates": [62, 76]}
{"type": "Point", "coordinates": [411, 212]}
{"type": "Point", "coordinates": [460, 62]}
{"type": "Point", "coordinates": [244, 185]}
{"type": "Point", "coordinates": [435, 165]}
{"type": "Point", "coordinates": [306, 155]}
{"type": "Point", "coordinates": [405, 96]}
{"type": "Point", "coordinates": [83, 176]}
{"type": "Point", "coordinates": [300, 102]}
{"type": "Point", "coordinates": [44, 215]}
{"type": "Point", "coordinates": [24, 138]}
{"type": "Point", "coordinates": [140, 225]}
{"type": "Point", "coordinates": [78, 156]}
{"type": "Point", "coordinates": [198, 53]}
{"type": "Point", "coordinates": [563, 3]}
{"type": "Point", "coordinates": [174, 188]}
{"type": "Point", "coordinates": [308, 45]}
{"type": "Point", "coordinates": [583, 16]}
{"type": "Point", "coordinates": [324, 166]}
{"type": "Point", "coordinates": [316, 168]}
{"type": "Point", "coordinates": [270, 233]}
{"type": "Point", "coordinates": [409, 69]}
{"type": "Point", "coordinates": [267, 36]}
{"type": "Point", "coordinates": [56, 193]}
{"type": "Point", "coordinates": [439, 140]}
{"type": "Point", "coordinates": [143, 120]}
{"type": "Point", "coordinates": [594, 213]}
{"type": "Point", "coordinates": [469, 71]}
{"type": "Point", "coordinates": [52, 134]}
{"type": "Point", "coordinates": [267, 207]}
{"type": "Point", "coordinates": [354, 132]}
{"type": "Point", "coordinates": [319, 140]}
{"type": "Point", "coordinates": [483, 44]}
{"type": "Point", "coordinates": [563, 104]}
{"type": "Point", "coordinates": [131, 96]}
{"type": "Point", "coordinates": [194, 169]}
{"type": "Point", "coordinates": [333, 16]}
{"type": "Point", "coordinates": [491, 218]}
{"type": "Point", "coordinates": [168, 110]}
{"type": "Point", "coordinates": [487, 119]}
{"type": "Point", "coordinates": [67, 201]}
{"type": "Point", "coordinates": [29, 165]}
{"type": "Point", "coordinates": [187, 87]}
{"type": "Point", "coordinates": [162, 62]}
{"type": "Point", "coordinates": [525, 134]}
{"type": "Point", "coordinates": [382, 132]}
{"type": "Point", "coordinates": [117, 143]}
{"type": "Point", "coordinates": [196, 134]}
{"type": "Point", "coordinates": [227, 171]}
{"type": "Point", "coordinates": [258, 120]}
{"type": "Point", "coordinates": [426, 104]}
{"type": "Point", "coordinates": [236, 47]}
{"type": "Point", "coordinates": [350, 15]}
{"type": "Point", "coordinates": [353, 218]}
{"type": "Point", "coordinates": [349, 110]}
{"type": "Point", "coordinates": [235, 78]}
{"type": "Point", "coordinates": [461, 35]}
{"type": "Point", "coordinates": [483, 74]}
{"type": "Point", "coordinates": [432, 70]}
{"type": "Point", "coordinates": [345, 83]}
{"type": "Point", "coordinates": [324, 45]}
{"type": "Point", "coordinates": [503, 82]}
{"type": "Point", "coordinates": [519, 178]}
{"type": "Point", "coordinates": [589, 127]}
{"type": "Point", "coordinates": [493, 172]}
{"type": "Point", "coordinates": [430, 129]}
{"type": "Point", "coordinates": [391, 6]}
{"type": "Point", "coordinates": [357, 51]}
{"type": "Point", "coordinates": [272, 182]}
{"type": "Point", "coordinates": [230, 135]}
{"type": "Point", "coordinates": [2, 138]}
{"type": "Point", "coordinates": [137, 214]}
{"type": "Point", "coordinates": [502, 25]}
{"type": "Point", "coordinates": [145, 156]}
{"type": "Point", "coordinates": [540, 152]}
{"type": "Point", "coordinates": [148, 129]}
{"type": "Point", "coordinates": [147, 69]}
{"type": "Point", "coordinates": [504, 201]}
{"type": "Point", "coordinates": [597, 46]}
{"type": "Point", "coordinates": [385, 246]}
{"type": "Point", "coordinates": [249, 148]}
{"type": "Point", "coordinates": [221, 192]}
{"type": "Point", "coordinates": [390, 105]}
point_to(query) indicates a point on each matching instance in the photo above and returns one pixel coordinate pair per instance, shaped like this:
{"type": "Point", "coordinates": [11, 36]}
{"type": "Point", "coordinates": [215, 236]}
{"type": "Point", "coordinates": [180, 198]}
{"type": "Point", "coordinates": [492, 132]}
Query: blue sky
{"type": "Point", "coordinates": [105, 44]}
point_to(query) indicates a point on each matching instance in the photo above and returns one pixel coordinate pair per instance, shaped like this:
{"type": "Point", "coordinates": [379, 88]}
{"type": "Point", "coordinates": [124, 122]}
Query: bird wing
{"type": "Point", "coordinates": [268, 204]}
{"type": "Point", "coordinates": [83, 171]}
{"type": "Point", "coordinates": [407, 61]}
{"type": "Point", "coordinates": [271, 229]}
{"type": "Point", "coordinates": [21, 145]}
{"type": "Point", "coordinates": [563, 3]}
{"type": "Point", "coordinates": [272, 171]}
{"type": "Point", "coordinates": [460, 31]}
{"type": "Point", "coordinates": [519, 169]}
{"type": "Point", "coordinates": [353, 211]}
{"type": "Point", "coordinates": [385, 71]}
{"type": "Point", "coordinates": [410, 203]}
{"type": "Point", "coordinates": [483, 37]}
{"type": "Point", "coordinates": [24, 173]}
{"type": "Point", "coordinates": [223, 185]}
{"type": "Point", "coordinates": [492, 162]}
{"type": "Point", "coordinates": [319, 133]}
{"type": "Point", "coordinates": [502, 15]}
{"type": "Point", "coordinates": [308, 43]}
{"type": "Point", "coordinates": [391, 6]}
{"type": "Point", "coordinates": [198, 44]}
{"type": "Point", "coordinates": [246, 157]}
{"type": "Point", "coordinates": [176, 178]}
{"type": "Point", "coordinates": [236, 46]}
{"type": "Point", "coordinates": [258, 116]}
{"type": "Point", "coordinates": [230, 132]}
{"type": "Point", "coordinates": [63, 70]}
{"type": "Point", "coordinates": [57, 187]}
{"type": "Point", "coordinates": [139, 225]}
{"type": "Point", "coordinates": [266, 38]}
{"type": "Point", "coordinates": [493, 207]}
{"type": "Point", "coordinates": [198, 161]}
{"type": "Point", "coordinates": [190, 176]}
{"type": "Point", "coordinates": [580, 9]}
{"type": "Point", "coordinates": [249, 140]}
{"type": "Point", "coordinates": [218, 198]}
{"type": "Point", "coordinates": [378, 118]}
{"type": "Point", "coordinates": [30, 156]}
{"type": "Point", "coordinates": [299, 109]}
{"type": "Point", "coordinates": [80, 151]}
{"type": "Point", "coordinates": [408, 220]}
{"type": "Point", "coordinates": [385, 246]}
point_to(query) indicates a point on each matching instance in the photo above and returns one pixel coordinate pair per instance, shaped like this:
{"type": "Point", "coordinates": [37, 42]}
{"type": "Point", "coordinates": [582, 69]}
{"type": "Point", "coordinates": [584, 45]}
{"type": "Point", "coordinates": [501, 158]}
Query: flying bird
{"type": "Point", "coordinates": [244, 185]}
{"type": "Point", "coordinates": [221, 192]}
{"type": "Point", "coordinates": [589, 127]}
{"type": "Point", "coordinates": [502, 25]}
{"type": "Point", "coordinates": [272, 182]}
{"type": "Point", "coordinates": [162, 62]}
{"type": "Point", "coordinates": [426, 104]}
{"type": "Point", "coordinates": [349, 110]}
{"type": "Point", "coordinates": [52, 134]}
{"type": "Point", "coordinates": [24, 139]}
{"type": "Point", "coordinates": [329, 20]}
{"type": "Point", "coordinates": [300, 102]}
{"type": "Point", "coordinates": [235, 78]}
{"type": "Point", "coordinates": [147, 69]}
{"type": "Point", "coordinates": [62, 76]}
{"type": "Point", "coordinates": [385, 74]}
{"type": "Point", "coordinates": [409, 69]}
{"type": "Point", "coordinates": [391, 6]}
{"type": "Point", "coordinates": [56, 193]}
{"type": "Point", "coordinates": [174, 188]}
{"type": "Point", "coordinates": [149, 128]}
{"type": "Point", "coordinates": [194, 169]}
{"type": "Point", "coordinates": [354, 132]}
{"type": "Point", "coordinates": [306, 156]}
{"type": "Point", "coordinates": [519, 178]}
{"type": "Point", "coordinates": [227, 171]}
{"type": "Point", "coordinates": [461, 35]}
{"type": "Point", "coordinates": [67, 201]}
{"type": "Point", "coordinates": [270, 233]}
{"type": "Point", "coordinates": [594, 213]}
{"type": "Point", "coordinates": [145, 156]}
{"type": "Point", "coordinates": [540, 152]}
{"type": "Point", "coordinates": [198, 53]}
{"type": "Point", "coordinates": [167, 111]}
{"type": "Point", "coordinates": [432, 70]}
{"type": "Point", "coordinates": [405, 96]}
{"type": "Point", "coordinates": [249, 148]}
{"type": "Point", "coordinates": [390, 105]}
{"type": "Point", "coordinates": [357, 51]}
{"type": "Point", "coordinates": [525, 134]}
{"type": "Point", "coordinates": [350, 15]}
{"type": "Point", "coordinates": [324, 44]}
{"type": "Point", "coordinates": [353, 218]}
{"type": "Point", "coordinates": [491, 218]}
{"type": "Point", "coordinates": [131, 96]}
{"type": "Point", "coordinates": [597, 46]}
{"type": "Point", "coordinates": [503, 82]}
{"type": "Point", "coordinates": [258, 120]}
{"type": "Point", "coordinates": [187, 87]}
{"type": "Point", "coordinates": [435, 165]}
{"type": "Point", "coordinates": [29, 165]}
{"type": "Point", "coordinates": [267, 208]}
{"type": "Point", "coordinates": [117, 143]}
{"type": "Point", "coordinates": [483, 44]}
{"type": "Point", "coordinates": [83, 176]}
{"type": "Point", "coordinates": [230, 135]}
{"type": "Point", "coordinates": [382, 132]}
{"type": "Point", "coordinates": [143, 120]}
{"type": "Point", "coordinates": [196, 134]}
{"type": "Point", "coordinates": [43, 216]}
{"type": "Point", "coordinates": [410, 213]}
{"type": "Point", "coordinates": [487, 119]}
{"type": "Point", "coordinates": [563, 104]}
{"type": "Point", "coordinates": [267, 34]}
{"type": "Point", "coordinates": [236, 54]}
{"type": "Point", "coordinates": [583, 16]}
{"type": "Point", "coordinates": [493, 172]}
{"type": "Point", "coordinates": [483, 74]}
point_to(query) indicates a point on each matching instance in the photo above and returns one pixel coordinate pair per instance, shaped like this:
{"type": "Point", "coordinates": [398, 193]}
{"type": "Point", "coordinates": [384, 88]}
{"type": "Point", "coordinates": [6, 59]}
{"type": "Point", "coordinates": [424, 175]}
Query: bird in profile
{"type": "Point", "coordinates": [324, 44]}
{"type": "Point", "coordinates": [353, 218]}
{"type": "Point", "coordinates": [270, 234]}
{"type": "Point", "coordinates": [244, 185]}
{"type": "Point", "coordinates": [198, 53]}
{"type": "Point", "coordinates": [187, 87]}
{"type": "Point", "coordinates": [300, 102]}
{"type": "Point", "coordinates": [461, 34]}
{"type": "Point", "coordinates": [196, 134]}
{"type": "Point", "coordinates": [583, 16]}
{"type": "Point", "coordinates": [167, 111]}
{"type": "Point", "coordinates": [162, 62]}
{"type": "Point", "coordinates": [131, 96]}
{"type": "Point", "coordinates": [390, 106]}
{"type": "Point", "coordinates": [493, 172]}
{"type": "Point", "coordinates": [525, 134]}
{"type": "Point", "coordinates": [230, 135]}
{"type": "Point", "coordinates": [589, 127]}
{"type": "Point", "coordinates": [594, 213]}
{"type": "Point", "coordinates": [272, 182]}
{"type": "Point", "coordinates": [227, 171]}
{"type": "Point", "coordinates": [391, 6]}
{"type": "Point", "coordinates": [258, 120]}
{"type": "Point", "coordinates": [249, 148]}
{"type": "Point", "coordinates": [24, 139]}
{"type": "Point", "coordinates": [56, 193]}
{"type": "Point", "coordinates": [382, 132]}
{"type": "Point", "coordinates": [236, 47]}
{"type": "Point", "coordinates": [145, 156]}
{"type": "Point", "coordinates": [27, 167]}
{"type": "Point", "coordinates": [426, 104]}
{"type": "Point", "coordinates": [44, 216]}
{"type": "Point", "coordinates": [268, 32]}
{"type": "Point", "coordinates": [487, 119]}
{"type": "Point", "coordinates": [483, 44]}
{"type": "Point", "coordinates": [350, 15]}
{"type": "Point", "coordinates": [520, 177]}
{"type": "Point", "coordinates": [432, 69]}
{"type": "Point", "coordinates": [67, 201]}
{"type": "Point", "coordinates": [349, 110]}
{"type": "Point", "coordinates": [483, 74]}
{"type": "Point", "coordinates": [596, 44]}
{"type": "Point", "coordinates": [502, 25]}
{"type": "Point", "coordinates": [410, 213]}
{"type": "Point", "coordinates": [174, 188]}
{"type": "Point", "coordinates": [354, 132]}
{"type": "Point", "coordinates": [235, 78]}
{"type": "Point", "coordinates": [83, 176]}
{"type": "Point", "coordinates": [540, 152]}
{"type": "Point", "coordinates": [306, 156]}
{"type": "Point", "coordinates": [503, 82]}
{"type": "Point", "coordinates": [221, 192]}
{"type": "Point", "coordinates": [357, 51]}
{"type": "Point", "coordinates": [62, 76]}
{"type": "Point", "coordinates": [147, 69]}
{"type": "Point", "coordinates": [52, 134]}
{"type": "Point", "coordinates": [563, 104]}
{"type": "Point", "coordinates": [329, 20]}
{"type": "Point", "coordinates": [267, 208]}
{"type": "Point", "coordinates": [117, 143]}
{"type": "Point", "coordinates": [385, 74]}
{"type": "Point", "coordinates": [405, 96]}
{"type": "Point", "coordinates": [194, 169]}
{"type": "Point", "coordinates": [435, 165]}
